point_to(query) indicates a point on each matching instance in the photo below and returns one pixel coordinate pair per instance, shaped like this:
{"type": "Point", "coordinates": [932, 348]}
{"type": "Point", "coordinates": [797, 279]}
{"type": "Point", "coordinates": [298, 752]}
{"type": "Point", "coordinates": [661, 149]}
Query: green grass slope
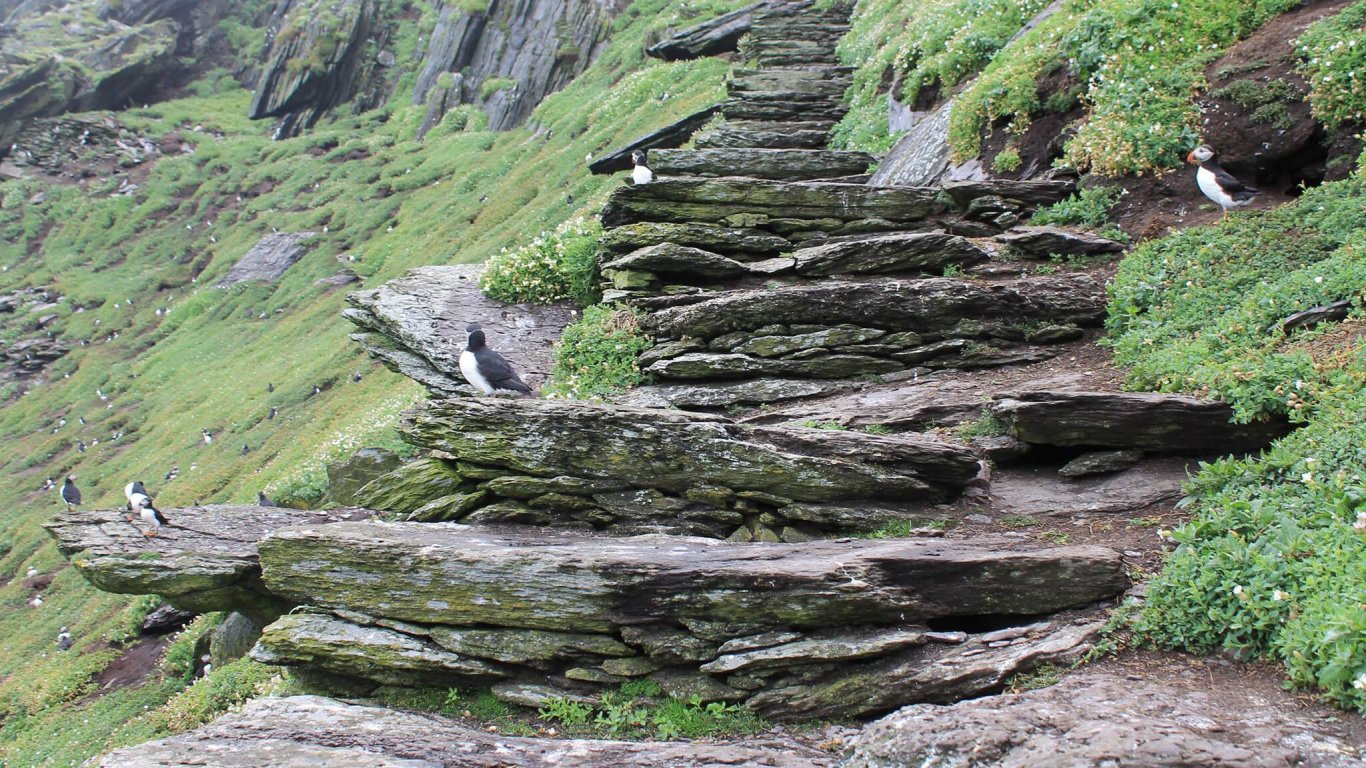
{"type": "Point", "coordinates": [371, 193]}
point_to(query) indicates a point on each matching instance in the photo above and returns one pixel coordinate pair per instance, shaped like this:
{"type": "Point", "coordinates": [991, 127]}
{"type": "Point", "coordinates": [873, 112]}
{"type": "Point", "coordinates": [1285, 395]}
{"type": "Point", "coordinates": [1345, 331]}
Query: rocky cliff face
{"type": "Point", "coordinates": [510, 55]}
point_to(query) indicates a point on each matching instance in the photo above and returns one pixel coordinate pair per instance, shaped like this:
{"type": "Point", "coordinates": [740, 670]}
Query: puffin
{"type": "Point", "coordinates": [140, 504]}
{"type": "Point", "coordinates": [64, 641]}
{"type": "Point", "coordinates": [208, 437]}
{"type": "Point", "coordinates": [640, 174]}
{"type": "Point", "coordinates": [1218, 184]}
{"type": "Point", "coordinates": [70, 493]}
{"type": "Point", "coordinates": [262, 500]}
{"type": "Point", "coordinates": [486, 370]}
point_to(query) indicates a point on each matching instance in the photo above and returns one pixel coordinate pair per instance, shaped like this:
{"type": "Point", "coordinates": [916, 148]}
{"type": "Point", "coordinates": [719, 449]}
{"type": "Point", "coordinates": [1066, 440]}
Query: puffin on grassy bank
{"type": "Point", "coordinates": [140, 504]}
{"type": "Point", "coordinates": [1218, 184]}
{"type": "Point", "coordinates": [70, 493]}
{"type": "Point", "coordinates": [486, 370]}
{"type": "Point", "coordinates": [640, 174]}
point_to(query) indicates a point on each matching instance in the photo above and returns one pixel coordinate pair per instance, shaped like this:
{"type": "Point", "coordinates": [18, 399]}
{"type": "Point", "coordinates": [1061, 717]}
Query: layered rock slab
{"type": "Point", "coordinates": [308, 731]}
{"type": "Point", "coordinates": [204, 560]}
{"type": "Point", "coordinates": [477, 576]}
{"type": "Point", "coordinates": [416, 324]}
{"type": "Point", "coordinates": [676, 451]}
{"type": "Point", "coordinates": [786, 164]}
{"type": "Point", "coordinates": [1148, 421]}
{"type": "Point", "coordinates": [1097, 719]}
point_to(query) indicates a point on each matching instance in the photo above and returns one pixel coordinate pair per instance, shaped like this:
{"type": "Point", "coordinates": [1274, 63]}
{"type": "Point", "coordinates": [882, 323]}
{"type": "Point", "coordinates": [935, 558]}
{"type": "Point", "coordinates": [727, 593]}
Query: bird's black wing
{"type": "Point", "coordinates": [159, 517]}
{"type": "Point", "coordinates": [1230, 184]}
{"type": "Point", "coordinates": [499, 373]}
{"type": "Point", "coordinates": [72, 498]}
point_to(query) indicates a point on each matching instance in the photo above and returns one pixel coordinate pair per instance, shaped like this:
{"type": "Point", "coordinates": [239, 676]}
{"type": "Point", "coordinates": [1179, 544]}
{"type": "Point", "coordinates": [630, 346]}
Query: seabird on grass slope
{"type": "Point", "coordinates": [486, 370]}
{"type": "Point", "coordinates": [1218, 184]}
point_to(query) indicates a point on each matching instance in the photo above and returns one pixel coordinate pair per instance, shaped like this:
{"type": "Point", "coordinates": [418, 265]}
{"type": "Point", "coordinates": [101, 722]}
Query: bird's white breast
{"type": "Point", "coordinates": [642, 175]}
{"type": "Point", "coordinates": [1204, 178]}
{"type": "Point", "coordinates": [469, 368]}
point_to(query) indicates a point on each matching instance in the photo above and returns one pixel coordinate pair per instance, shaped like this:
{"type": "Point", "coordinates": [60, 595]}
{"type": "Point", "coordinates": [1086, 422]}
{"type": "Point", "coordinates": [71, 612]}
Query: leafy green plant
{"type": "Point", "coordinates": [557, 265]}
{"type": "Point", "coordinates": [1089, 207]}
{"type": "Point", "coordinates": [1041, 677]}
{"type": "Point", "coordinates": [1334, 56]}
{"type": "Point", "coordinates": [493, 85]}
{"type": "Point", "coordinates": [1007, 160]}
{"type": "Point", "coordinates": [596, 356]}
{"type": "Point", "coordinates": [986, 425]}
{"type": "Point", "coordinates": [637, 710]}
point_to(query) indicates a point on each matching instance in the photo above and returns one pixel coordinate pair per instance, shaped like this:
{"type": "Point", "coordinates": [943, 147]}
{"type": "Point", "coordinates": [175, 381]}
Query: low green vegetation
{"type": "Point", "coordinates": [557, 266]}
{"type": "Point", "coordinates": [916, 47]}
{"type": "Point", "coordinates": [1334, 54]}
{"type": "Point", "coordinates": [1089, 208]}
{"type": "Point", "coordinates": [1273, 562]}
{"type": "Point", "coordinates": [495, 84]}
{"type": "Point", "coordinates": [640, 710]}
{"type": "Point", "coordinates": [596, 356]}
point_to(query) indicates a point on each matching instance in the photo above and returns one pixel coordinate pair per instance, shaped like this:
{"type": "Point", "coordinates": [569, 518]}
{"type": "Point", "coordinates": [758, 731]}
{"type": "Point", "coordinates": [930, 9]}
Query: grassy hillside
{"type": "Point", "coordinates": [371, 193]}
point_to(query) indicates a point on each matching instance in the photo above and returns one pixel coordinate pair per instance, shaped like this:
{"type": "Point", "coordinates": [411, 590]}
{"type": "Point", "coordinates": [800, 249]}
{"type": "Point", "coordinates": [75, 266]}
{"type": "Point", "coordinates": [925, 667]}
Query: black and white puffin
{"type": "Point", "coordinates": [1218, 184]}
{"type": "Point", "coordinates": [140, 504]}
{"type": "Point", "coordinates": [640, 174]}
{"type": "Point", "coordinates": [262, 500]}
{"type": "Point", "coordinates": [486, 370]}
{"type": "Point", "coordinates": [70, 493]}
{"type": "Point", "coordinates": [64, 641]}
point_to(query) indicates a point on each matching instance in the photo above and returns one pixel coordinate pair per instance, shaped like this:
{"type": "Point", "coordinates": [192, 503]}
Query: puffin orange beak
{"type": "Point", "coordinates": [1190, 158]}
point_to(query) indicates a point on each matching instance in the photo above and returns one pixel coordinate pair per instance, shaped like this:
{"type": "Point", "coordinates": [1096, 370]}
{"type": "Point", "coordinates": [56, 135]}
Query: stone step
{"type": "Point", "coordinates": [780, 164]}
{"type": "Point", "coordinates": [665, 269]}
{"type": "Point", "coordinates": [803, 134]}
{"type": "Point", "coordinates": [204, 560]}
{"type": "Point", "coordinates": [1144, 420]}
{"type": "Point", "coordinates": [628, 470]}
{"type": "Point", "coordinates": [781, 106]}
{"type": "Point", "coordinates": [298, 731]}
{"type": "Point", "coordinates": [824, 80]}
{"type": "Point", "coordinates": [821, 629]}
{"type": "Point", "coordinates": [785, 207]}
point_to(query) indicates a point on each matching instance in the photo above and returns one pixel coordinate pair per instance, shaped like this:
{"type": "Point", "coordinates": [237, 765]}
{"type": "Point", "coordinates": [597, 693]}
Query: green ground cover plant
{"type": "Point", "coordinates": [1270, 564]}
{"type": "Point", "coordinates": [596, 355]}
{"type": "Point", "coordinates": [1334, 53]}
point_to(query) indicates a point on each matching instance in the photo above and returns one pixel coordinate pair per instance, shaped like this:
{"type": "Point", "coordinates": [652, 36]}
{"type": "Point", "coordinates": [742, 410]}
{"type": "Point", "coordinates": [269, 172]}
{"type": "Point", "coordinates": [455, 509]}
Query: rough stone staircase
{"type": "Point", "coordinates": [558, 549]}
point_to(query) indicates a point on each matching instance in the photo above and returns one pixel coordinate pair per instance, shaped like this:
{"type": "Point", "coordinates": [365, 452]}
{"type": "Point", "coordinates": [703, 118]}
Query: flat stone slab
{"type": "Point", "coordinates": [890, 304]}
{"type": "Point", "coordinates": [898, 252]}
{"type": "Point", "coordinates": [479, 576]}
{"type": "Point", "coordinates": [806, 134]}
{"type": "Point", "coordinates": [715, 200]}
{"type": "Point", "coordinates": [311, 731]}
{"type": "Point", "coordinates": [269, 258]}
{"type": "Point", "coordinates": [709, 38]}
{"type": "Point", "coordinates": [1042, 242]}
{"type": "Point", "coordinates": [1043, 493]}
{"type": "Point", "coordinates": [416, 326]}
{"type": "Point", "coordinates": [1097, 718]}
{"type": "Point", "coordinates": [785, 164]}
{"type": "Point", "coordinates": [204, 560]}
{"type": "Point", "coordinates": [675, 134]}
{"type": "Point", "coordinates": [1149, 421]}
{"type": "Point", "coordinates": [676, 451]}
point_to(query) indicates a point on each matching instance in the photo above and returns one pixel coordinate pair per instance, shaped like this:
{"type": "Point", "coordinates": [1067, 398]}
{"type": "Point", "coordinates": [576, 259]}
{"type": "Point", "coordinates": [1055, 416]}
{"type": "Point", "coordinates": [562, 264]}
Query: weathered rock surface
{"type": "Point", "coordinates": [346, 478]}
{"type": "Point", "coordinates": [1094, 719]}
{"type": "Point", "coordinates": [675, 451]}
{"type": "Point", "coordinates": [417, 326]}
{"type": "Point", "coordinates": [1042, 242]}
{"type": "Point", "coordinates": [1040, 492]}
{"type": "Point", "coordinates": [310, 731]}
{"type": "Point", "coordinates": [894, 305]}
{"type": "Point", "coordinates": [204, 560]}
{"type": "Point", "coordinates": [539, 44]}
{"type": "Point", "coordinates": [783, 164]}
{"type": "Point", "coordinates": [725, 393]}
{"type": "Point", "coordinates": [1147, 421]}
{"type": "Point", "coordinates": [801, 134]}
{"type": "Point", "coordinates": [1100, 462]}
{"type": "Point", "coordinates": [315, 52]}
{"type": "Point", "coordinates": [675, 134]}
{"type": "Point", "coordinates": [796, 33]}
{"type": "Point", "coordinates": [900, 252]}
{"type": "Point", "coordinates": [269, 258]}
{"type": "Point", "coordinates": [469, 576]}
{"type": "Point", "coordinates": [721, 239]}
{"type": "Point", "coordinates": [922, 155]}
{"type": "Point", "coordinates": [719, 35]}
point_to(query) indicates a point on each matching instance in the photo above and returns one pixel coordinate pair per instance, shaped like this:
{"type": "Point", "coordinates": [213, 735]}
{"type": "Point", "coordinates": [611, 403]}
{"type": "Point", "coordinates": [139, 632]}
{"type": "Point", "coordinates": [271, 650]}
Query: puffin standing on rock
{"type": "Point", "coordinates": [70, 493]}
{"type": "Point", "coordinates": [1218, 184]}
{"type": "Point", "coordinates": [640, 174]}
{"type": "Point", "coordinates": [486, 370]}
{"type": "Point", "coordinates": [140, 504]}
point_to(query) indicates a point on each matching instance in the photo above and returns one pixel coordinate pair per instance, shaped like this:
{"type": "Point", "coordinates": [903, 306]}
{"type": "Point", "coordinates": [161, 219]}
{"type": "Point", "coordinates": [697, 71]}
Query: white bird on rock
{"type": "Point", "coordinates": [486, 370]}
